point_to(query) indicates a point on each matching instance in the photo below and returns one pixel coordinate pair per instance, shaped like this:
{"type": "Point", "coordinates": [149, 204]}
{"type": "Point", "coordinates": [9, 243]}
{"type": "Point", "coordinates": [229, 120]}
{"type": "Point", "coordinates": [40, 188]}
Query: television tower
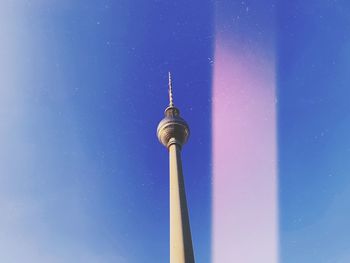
{"type": "Point", "coordinates": [173, 132]}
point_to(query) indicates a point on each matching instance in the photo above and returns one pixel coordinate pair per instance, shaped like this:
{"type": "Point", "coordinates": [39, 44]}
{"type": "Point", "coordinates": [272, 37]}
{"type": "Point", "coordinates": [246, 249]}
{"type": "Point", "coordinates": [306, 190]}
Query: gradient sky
{"type": "Point", "coordinates": [83, 85]}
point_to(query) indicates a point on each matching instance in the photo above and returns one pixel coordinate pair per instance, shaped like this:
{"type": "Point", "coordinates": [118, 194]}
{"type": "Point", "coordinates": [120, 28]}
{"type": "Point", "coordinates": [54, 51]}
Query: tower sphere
{"type": "Point", "coordinates": [172, 128]}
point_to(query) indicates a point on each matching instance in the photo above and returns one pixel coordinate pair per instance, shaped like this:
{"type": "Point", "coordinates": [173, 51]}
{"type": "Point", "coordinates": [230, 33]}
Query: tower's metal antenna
{"type": "Point", "coordinates": [171, 101]}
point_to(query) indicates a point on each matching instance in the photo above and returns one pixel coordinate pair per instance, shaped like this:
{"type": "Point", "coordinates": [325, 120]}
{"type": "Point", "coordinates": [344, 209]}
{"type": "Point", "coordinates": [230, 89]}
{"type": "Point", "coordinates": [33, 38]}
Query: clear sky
{"type": "Point", "coordinates": [83, 85]}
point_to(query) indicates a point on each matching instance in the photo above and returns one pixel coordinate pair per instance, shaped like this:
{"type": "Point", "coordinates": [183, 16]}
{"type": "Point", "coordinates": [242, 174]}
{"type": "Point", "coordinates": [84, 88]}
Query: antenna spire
{"type": "Point", "coordinates": [171, 101]}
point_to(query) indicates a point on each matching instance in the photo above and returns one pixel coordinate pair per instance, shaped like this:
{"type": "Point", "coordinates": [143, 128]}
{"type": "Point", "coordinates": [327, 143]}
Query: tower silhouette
{"type": "Point", "coordinates": [173, 132]}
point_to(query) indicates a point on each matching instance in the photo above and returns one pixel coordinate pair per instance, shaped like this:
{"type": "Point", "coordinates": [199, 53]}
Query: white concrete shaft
{"type": "Point", "coordinates": [181, 250]}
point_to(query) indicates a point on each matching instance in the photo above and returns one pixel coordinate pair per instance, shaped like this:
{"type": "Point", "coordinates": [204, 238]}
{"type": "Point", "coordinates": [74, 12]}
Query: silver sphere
{"type": "Point", "coordinates": [172, 129]}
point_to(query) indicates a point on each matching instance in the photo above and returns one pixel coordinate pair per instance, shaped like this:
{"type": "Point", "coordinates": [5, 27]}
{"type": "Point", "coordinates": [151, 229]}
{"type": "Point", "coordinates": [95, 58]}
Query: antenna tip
{"type": "Point", "coordinates": [171, 101]}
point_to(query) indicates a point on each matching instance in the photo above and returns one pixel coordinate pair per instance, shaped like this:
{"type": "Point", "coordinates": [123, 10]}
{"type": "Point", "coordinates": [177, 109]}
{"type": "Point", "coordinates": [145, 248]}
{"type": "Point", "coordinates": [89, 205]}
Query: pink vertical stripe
{"type": "Point", "coordinates": [244, 155]}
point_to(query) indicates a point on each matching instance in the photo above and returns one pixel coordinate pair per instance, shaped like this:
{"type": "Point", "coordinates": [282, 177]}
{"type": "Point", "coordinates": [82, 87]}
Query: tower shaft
{"type": "Point", "coordinates": [181, 250]}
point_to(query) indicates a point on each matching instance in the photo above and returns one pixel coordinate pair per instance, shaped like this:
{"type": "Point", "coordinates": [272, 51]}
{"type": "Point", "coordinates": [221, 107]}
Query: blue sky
{"type": "Point", "coordinates": [314, 128]}
{"type": "Point", "coordinates": [84, 85]}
